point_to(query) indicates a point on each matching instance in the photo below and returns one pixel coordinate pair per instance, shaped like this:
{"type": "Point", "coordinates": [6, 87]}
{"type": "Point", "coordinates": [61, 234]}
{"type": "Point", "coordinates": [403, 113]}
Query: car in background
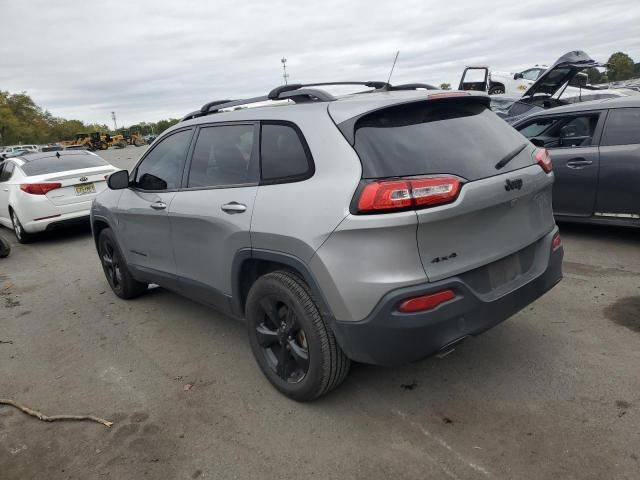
{"type": "Point", "coordinates": [595, 149]}
{"type": "Point", "coordinates": [15, 153]}
{"type": "Point", "coordinates": [76, 147]}
{"type": "Point", "coordinates": [496, 83]}
{"type": "Point", "coordinates": [43, 191]}
{"type": "Point", "coordinates": [52, 147]}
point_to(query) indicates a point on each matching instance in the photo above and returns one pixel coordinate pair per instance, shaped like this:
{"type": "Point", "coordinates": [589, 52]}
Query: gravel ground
{"type": "Point", "coordinates": [553, 393]}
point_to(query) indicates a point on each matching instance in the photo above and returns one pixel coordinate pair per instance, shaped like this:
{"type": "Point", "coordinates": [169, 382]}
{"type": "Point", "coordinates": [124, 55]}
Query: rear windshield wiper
{"type": "Point", "coordinates": [510, 156]}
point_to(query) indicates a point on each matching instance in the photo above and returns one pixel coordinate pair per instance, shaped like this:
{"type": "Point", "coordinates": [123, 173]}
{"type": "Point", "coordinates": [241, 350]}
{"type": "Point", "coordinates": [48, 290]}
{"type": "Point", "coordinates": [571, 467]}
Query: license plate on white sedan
{"type": "Point", "coordinates": [85, 189]}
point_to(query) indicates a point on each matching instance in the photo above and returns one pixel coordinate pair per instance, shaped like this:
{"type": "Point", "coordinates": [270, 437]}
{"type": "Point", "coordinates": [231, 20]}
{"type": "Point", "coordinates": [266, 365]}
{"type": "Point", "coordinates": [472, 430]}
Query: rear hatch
{"type": "Point", "coordinates": [503, 201]}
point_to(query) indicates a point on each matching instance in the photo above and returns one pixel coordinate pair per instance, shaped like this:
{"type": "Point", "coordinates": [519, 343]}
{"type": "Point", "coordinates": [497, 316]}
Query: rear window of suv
{"type": "Point", "coordinates": [47, 165]}
{"type": "Point", "coordinates": [460, 138]}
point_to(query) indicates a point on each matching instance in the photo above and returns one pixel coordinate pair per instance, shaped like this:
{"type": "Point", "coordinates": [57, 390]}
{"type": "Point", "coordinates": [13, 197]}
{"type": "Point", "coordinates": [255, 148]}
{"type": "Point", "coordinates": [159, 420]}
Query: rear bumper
{"type": "Point", "coordinates": [62, 221]}
{"type": "Point", "coordinates": [388, 337]}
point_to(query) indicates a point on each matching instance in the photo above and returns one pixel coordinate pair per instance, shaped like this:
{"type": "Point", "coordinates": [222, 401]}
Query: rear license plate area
{"type": "Point", "coordinates": [505, 270]}
{"type": "Point", "coordinates": [85, 188]}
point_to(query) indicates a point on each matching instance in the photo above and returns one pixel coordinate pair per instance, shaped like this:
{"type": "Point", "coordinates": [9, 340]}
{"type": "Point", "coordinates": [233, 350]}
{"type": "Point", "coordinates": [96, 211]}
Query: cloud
{"type": "Point", "coordinates": [148, 60]}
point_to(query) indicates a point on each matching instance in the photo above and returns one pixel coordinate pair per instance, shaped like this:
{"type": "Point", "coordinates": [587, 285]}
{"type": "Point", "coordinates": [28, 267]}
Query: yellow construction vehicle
{"type": "Point", "coordinates": [132, 138]}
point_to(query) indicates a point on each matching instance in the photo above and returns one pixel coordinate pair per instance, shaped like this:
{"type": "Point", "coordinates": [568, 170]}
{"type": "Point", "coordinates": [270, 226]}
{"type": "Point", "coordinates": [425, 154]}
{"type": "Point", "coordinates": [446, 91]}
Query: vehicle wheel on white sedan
{"type": "Point", "coordinates": [294, 347]}
{"type": "Point", "coordinates": [18, 229]}
{"type": "Point", "coordinates": [496, 90]}
{"type": "Point", "coordinates": [115, 268]}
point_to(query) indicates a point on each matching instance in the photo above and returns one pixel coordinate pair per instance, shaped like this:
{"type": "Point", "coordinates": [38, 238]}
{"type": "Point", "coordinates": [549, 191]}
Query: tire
{"type": "Point", "coordinates": [284, 325]}
{"type": "Point", "coordinates": [5, 247]}
{"type": "Point", "coordinates": [115, 268]}
{"type": "Point", "coordinates": [22, 236]}
{"type": "Point", "coordinates": [496, 90]}
{"type": "Point", "coordinates": [104, 145]}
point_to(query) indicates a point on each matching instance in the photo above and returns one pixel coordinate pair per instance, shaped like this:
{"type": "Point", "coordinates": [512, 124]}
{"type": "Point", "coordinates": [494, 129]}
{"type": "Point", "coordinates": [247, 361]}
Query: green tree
{"type": "Point", "coordinates": [594, 75]}
{"type": "Point", "coordinates": [445, 86]}
{"type": "Point", "coordinates": [620, 67]}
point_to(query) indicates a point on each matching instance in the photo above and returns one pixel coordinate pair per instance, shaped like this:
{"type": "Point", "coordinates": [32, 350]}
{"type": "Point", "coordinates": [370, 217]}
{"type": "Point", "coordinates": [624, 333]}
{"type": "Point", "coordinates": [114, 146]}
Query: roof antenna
{"type": "Point", "coordinates": [392, 67]}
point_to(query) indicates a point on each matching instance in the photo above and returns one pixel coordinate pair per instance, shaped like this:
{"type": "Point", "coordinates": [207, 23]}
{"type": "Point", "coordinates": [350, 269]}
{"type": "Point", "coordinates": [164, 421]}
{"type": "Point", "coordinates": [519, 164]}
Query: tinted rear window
{"type": "Point", "coordinates": [47, 165]}
{"type": "Point", "coordinates": [458, 138]}
{"type": "Point", "coordinates": [623, 127]}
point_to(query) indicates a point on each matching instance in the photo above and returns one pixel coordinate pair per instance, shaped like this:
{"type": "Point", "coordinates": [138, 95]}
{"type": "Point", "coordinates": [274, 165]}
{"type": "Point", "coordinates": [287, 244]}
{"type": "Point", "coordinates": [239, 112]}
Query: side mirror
{"type": "Point", "coordinates": [118, 180]}
{"type": "Point", "coordinates": [517, 76]}
{"type": "Point", "coordinates": [537, 142]}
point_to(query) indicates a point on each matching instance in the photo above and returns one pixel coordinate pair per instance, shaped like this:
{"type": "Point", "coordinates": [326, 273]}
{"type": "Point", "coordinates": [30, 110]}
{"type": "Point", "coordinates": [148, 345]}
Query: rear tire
{"type": "Point", "coordinates": [5, 247]}
{"type": "Point", "coordinates": [115, 268]}
{"type": "Point", "coordinates": [294, 347]}
{"type": "Point", "coordinates": [22, 236]}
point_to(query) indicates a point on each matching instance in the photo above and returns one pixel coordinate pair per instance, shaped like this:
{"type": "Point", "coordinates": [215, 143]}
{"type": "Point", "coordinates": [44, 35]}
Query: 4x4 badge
{"type": "Point", "coordinates": [513, 184]}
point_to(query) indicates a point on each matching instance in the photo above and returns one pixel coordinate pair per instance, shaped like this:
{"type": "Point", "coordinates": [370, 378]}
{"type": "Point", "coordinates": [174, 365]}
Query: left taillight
{"type": "Point", "coordinates": [381, 196]}
{"type": "Point", "coordinates": [39, 188]}
{"type": "Point", "coordinates": [544, 159]}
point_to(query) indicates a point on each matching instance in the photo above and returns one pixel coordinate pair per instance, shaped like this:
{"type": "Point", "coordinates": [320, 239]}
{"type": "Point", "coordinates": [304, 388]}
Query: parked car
{"type": "Point", "coordinates": [496, 83]}
{"type": "Point", "coordinates": [595, 147]}
{"type": "Point", "coordinates": [43, 191]}
{"type": "Point", "coordinates": [379, 227]}
{"type": "Point", "coordinates": [52, 147]}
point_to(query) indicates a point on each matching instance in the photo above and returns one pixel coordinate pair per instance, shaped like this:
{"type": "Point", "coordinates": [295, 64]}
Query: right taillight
{"type": "Point", "coordinates": [544, 159]}
{"type": "Point", "coordinates": [391, 195]}
{"type": "Point", "coordinates": [556, 243]}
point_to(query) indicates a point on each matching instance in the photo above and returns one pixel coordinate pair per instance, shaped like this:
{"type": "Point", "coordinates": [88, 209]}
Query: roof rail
{"type": "Point", "coordinates": [276, 93]}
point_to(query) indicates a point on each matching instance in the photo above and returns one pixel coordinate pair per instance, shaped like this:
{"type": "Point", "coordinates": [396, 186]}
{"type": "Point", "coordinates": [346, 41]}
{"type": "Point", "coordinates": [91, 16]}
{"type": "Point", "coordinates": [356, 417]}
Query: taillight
{"type": "Point", "coordinates": [390, 195]}
{"type": "Point", "coordinates": [426, 302]}
{"type": "Point", "coordinates": [39, 188]}
{"type": "Point", "coordinates": [544, 159]}
{"type": "Point", "coordinates": [556, 243]}
{"type": "Point", "coordinates": [436, 96]}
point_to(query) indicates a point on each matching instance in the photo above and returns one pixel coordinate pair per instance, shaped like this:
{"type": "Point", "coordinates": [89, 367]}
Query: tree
{"type": "Point", "coordinates": [445, 86]}
{"type": "Point", "coordinates": [620, 67]}
{"type": "Point", "coordinates": [594, 75]}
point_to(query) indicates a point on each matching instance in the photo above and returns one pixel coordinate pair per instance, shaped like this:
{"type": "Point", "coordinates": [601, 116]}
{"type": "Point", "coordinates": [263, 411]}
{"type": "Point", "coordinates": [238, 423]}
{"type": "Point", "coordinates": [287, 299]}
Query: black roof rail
{"type": "Point", "coordinates": [413, 86]}
{"type": "Point", "coordinates": [276, 93]}
{"type": "Point", "coordinates": [306, 95]}
{"type": "Point", "coordinates": [205, 108]}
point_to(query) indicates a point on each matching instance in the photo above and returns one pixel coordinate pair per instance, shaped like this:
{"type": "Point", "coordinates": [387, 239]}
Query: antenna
{"type": "Point", "coordinates": [393, 66]}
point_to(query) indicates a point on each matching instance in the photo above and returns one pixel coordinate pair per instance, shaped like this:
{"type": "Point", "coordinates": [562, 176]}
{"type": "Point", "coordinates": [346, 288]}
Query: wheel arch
{"type": "Point", "coordinates": [250, 264]}
{"type": "Point", "coordinates": [98, 224]}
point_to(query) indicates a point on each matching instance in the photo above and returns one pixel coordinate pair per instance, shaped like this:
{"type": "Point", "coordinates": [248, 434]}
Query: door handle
{"type": "Point", "coordinates": [233, 207]}
{"type": "Point", "coordinates": [6, 189]}
{"type": "Point", "coordinates": [159, 205]}
{"type": "Point", "coordinates": [579, 163]}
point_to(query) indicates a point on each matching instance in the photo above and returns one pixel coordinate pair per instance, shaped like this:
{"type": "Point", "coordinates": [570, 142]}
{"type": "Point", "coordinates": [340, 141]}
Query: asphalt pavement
{"type": "Point", "coordinates": [552, 393]}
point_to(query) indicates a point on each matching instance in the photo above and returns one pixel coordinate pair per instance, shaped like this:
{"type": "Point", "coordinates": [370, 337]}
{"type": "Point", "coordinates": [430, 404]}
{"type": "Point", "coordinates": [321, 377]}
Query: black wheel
{"type": "Point", "coordinates": [293, 346]}
{"type": "Point", "coordinates": [496, 89]}
{"type": "Point", "coordinates": [5, 247]}
{"type": "Point", "coordinates": [18, 229]}
{"type": "Point", "coordinates": [115, 268]}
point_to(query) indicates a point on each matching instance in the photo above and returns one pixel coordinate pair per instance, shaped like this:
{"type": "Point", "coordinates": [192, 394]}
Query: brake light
{"type": "Point", "coordinates": [436, 96]}
{"type": "Point", "coordinates": [544, 159]}
{"type": "Point", "coordinates": [391, 195]}
{"type": "Point", "coordinates": [426, 302]}
{"type": "Point", "coordinates": [39, 188]}
{"type": "Point", "coordinates": [556, 243]}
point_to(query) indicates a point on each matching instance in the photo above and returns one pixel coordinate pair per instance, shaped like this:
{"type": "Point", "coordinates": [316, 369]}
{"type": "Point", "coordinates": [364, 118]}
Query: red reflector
{"type": "Point", "coordinates": [388, 195]}
{"type": "Point", "coordinates": [44, 218]}
{"type": "Point", "coordinates": [426, 302]}
{"type": "Point", "coordinates": [544, 160]}
{"type": "Point", "coordinates": [556, 242]}
{"type": "Point", "coordinates": [39, 188]}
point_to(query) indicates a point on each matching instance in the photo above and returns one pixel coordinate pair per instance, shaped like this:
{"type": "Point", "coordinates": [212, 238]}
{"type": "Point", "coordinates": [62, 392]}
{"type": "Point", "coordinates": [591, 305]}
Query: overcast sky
{"type": "Point", "coordinates": [148, 60]}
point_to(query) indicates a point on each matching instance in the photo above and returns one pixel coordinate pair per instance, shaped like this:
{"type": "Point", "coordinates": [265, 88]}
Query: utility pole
{"type": "Point", "coordinates": [115, 125]}
{"type": "Point", "coordinates": [285, 75]}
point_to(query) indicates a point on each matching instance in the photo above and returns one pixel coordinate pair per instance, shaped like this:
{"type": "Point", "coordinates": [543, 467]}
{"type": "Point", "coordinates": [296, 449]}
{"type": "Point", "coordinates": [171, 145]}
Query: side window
{"type": "Point", "coordinates": [531, 74]}
{"type": "Point", "coordinates": [161, 169]}
{"type": "Point", "coordinates": [224, 155]}
{"type": "Point", "coordinates": [6, 171]}
{"type": "Point", "coordinates": [537, 127]}
{"type": "Point", "coordinates": [577, 132]}
{"type": "Point", "coordinates": [283, 154]}
{"type": "Point", "coordinates": [623, 127]}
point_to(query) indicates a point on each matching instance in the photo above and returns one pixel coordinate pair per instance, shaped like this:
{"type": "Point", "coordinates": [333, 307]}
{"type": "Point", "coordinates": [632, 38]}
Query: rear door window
{"type": "Point", "coordinates": [442, 137]}
{"type": "Point", "coordinates": [6, 171]}
{"type": "Point", "coordinates": [623, 127]}
{"type": "Point", "coordinates": [563, 132]}
{"type": "Point", "coordinates": [224, 155]}
{"type": "Point", "coordinates": [284, 155]}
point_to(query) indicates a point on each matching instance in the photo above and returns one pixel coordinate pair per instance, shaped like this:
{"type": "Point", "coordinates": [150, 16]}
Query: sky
{"type": "Point", "coordinates": [148, 60]}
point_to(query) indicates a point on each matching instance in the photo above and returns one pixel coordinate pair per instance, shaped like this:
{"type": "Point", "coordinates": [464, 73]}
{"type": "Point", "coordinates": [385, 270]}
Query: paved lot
{"type": "Point", "coordinates": [553, 393]}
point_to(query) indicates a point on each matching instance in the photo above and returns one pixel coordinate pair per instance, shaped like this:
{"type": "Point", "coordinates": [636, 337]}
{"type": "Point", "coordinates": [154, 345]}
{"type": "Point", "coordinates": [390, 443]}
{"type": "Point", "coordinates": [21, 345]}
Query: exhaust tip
{"type": "Point", "coordinates": [451, 346]}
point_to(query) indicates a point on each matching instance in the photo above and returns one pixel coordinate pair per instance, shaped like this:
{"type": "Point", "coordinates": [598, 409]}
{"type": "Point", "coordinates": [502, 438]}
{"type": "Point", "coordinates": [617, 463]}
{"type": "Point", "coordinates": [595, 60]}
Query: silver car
{"type": "Point", "coordinates": [379, 227]}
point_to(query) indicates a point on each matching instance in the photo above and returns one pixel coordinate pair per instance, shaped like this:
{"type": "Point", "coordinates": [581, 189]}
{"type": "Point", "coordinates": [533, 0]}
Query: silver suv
{"type": "Point", "coordinates": [379, 227]}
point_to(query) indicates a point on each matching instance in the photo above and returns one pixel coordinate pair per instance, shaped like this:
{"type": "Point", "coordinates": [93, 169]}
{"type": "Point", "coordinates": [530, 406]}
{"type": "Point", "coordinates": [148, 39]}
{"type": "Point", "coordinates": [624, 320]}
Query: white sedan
{"type": "Point", "coordinates": [42, 191]}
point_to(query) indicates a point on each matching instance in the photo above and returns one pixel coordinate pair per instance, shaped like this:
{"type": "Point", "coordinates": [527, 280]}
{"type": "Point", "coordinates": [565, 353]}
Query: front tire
{"type": "Point", "coordinates": [18, 230]}
{"type": "Point", "coordinates": [115, 268]}
{"type": "Point", "coordinates": [496, 90]}
{"type": "Point", "coordinates": [294, 347]}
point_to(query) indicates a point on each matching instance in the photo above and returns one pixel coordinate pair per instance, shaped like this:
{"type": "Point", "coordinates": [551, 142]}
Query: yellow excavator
{"type": "Point", "coordinates": [131, 138]}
